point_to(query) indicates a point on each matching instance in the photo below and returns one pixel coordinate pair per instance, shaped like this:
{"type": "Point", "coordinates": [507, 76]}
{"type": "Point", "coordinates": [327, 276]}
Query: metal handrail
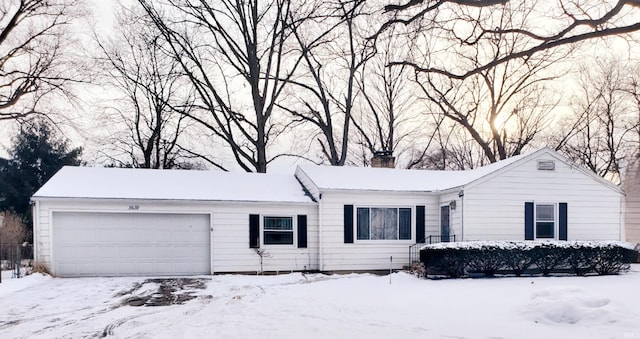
{"type": "Point", "coordinates": [414, 250]}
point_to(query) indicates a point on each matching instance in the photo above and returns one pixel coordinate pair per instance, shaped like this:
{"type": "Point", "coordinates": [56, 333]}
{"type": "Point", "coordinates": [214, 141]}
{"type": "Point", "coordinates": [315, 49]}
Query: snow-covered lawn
{"type": "Point", "coordinates": [320, 306]}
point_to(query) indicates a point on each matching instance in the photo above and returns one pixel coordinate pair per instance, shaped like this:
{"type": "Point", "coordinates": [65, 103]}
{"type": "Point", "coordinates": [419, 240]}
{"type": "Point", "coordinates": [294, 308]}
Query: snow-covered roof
{"type": "Point", "coordinates": [152, 184]}
{"type": "Point", "coordinates": [392, 179]}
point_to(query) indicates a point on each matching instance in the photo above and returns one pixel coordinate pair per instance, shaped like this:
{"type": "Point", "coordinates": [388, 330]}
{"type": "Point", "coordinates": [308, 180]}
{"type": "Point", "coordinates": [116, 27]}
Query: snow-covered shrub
{"type": "Point", "coordinates": [486, 260]}
{"type": "Point", "coordinates": [580, 260]}
{"type": "Point", "coordinates": [447, 262]}
{"type": "Point", "coordinates": [611, 259]}
{"type": "Point", "coordinates": [458, 259]}
{"type": "Point", "coordinates": [517, 260]}
{"type": "Point", "coordinates": [548, 257]}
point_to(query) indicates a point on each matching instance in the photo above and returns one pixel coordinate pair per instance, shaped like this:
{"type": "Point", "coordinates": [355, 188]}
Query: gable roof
{"type": "Point", "coordinates": [392, 179]}
{"type": "Point", "coordinates": [153, 184]}
{"type": "Point", "coordinates": [408, 180]}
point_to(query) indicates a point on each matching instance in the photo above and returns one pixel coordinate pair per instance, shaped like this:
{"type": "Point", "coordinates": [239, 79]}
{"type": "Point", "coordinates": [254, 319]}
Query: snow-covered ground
{"type": "Point", "coordinates": [320, 306]}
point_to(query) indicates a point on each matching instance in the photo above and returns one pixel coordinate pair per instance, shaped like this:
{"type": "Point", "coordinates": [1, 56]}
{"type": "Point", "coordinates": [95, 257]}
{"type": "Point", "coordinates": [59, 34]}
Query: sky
{"type": "Point", "coordinates": [102, 17]}
{"type": "Point", "coordinates": [80, 126]}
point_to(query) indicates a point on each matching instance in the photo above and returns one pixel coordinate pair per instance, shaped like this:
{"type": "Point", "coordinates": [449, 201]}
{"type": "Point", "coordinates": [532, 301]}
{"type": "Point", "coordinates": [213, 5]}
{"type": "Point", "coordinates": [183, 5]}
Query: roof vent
{"type": "Point", "coordinates": [546, 165]}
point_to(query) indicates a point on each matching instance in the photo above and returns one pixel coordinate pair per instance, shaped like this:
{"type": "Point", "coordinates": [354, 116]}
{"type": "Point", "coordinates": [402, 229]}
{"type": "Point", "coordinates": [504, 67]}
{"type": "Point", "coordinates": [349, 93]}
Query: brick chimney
{"type": "Point", "coordinates": [383, 159]}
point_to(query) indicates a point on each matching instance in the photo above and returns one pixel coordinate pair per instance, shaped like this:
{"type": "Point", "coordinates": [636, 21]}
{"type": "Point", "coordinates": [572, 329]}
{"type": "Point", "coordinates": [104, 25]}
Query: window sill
{"type": "Point", "coordinates": [385, 242]}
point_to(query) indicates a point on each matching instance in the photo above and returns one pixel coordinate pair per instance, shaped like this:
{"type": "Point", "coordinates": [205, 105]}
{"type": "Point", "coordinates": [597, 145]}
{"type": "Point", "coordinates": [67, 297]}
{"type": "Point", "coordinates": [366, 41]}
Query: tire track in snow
{"type": "Point", "coordinates": [11, 323]}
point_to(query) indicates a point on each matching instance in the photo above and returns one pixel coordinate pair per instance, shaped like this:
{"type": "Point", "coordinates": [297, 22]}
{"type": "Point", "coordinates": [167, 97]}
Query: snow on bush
{"type": "Point", "coordinates": [510, 244]}
{"type": "Point", "coordinates": [457, 259]}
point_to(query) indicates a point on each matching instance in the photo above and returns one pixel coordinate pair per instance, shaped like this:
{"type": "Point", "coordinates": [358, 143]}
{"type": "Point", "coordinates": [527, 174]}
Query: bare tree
{"type": "Point", "coordinates": [450, 149]}
{"type": "Point", "coordinates": [602, 128]}
{"type": "Point", "coordinates": [501, 108]}
{"type": "Point", "coordinates": [234, 54]}
{"type": "Point", "coordinates": [560, 23]}
{"type": "Point", "coordinates": [33, 34]}
{"type": "Point", "coordinates": [633, 89]}
{"type": "Point", "coordinates": [13, 233]}
{"type": "Point", "coordinates": [13, 229]}
{"type": "Point", "coordinates": [155, 101]}
{"type": "Point", "coordinates": [386, 118]}
{"type": "Point", "coordinates": [455, 30]}
{"type": "Point", "coordinates": [325, 95]}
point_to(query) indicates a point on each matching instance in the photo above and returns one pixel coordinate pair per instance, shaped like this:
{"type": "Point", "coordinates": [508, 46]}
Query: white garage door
{"type": "Point", "coordinates": [116, 244]}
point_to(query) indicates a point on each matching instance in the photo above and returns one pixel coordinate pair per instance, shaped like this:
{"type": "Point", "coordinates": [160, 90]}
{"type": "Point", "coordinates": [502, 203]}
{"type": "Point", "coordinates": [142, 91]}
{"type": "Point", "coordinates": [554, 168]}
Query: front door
{"type": "Point", "coordinates": [445, 223]}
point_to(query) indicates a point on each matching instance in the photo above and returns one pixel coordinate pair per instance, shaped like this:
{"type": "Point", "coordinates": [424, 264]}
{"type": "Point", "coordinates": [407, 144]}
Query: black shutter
{"type": "Point", "coordinates": [348, 224]}
{"type": "Point", "coordinates": [528, 221]}
{"type": "Point", "coordinates": [254, 231]}
{"type": "Point", "coordinates": [562, 215]}
{"type": "Point", "coordinates": [302, 231]}
{"type": "Point", "coordinates": [420, 224]}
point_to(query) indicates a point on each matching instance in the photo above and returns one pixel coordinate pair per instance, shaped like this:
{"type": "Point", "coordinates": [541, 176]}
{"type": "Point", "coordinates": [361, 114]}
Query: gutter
{"type": "Point", "coordinates": [201, 201]}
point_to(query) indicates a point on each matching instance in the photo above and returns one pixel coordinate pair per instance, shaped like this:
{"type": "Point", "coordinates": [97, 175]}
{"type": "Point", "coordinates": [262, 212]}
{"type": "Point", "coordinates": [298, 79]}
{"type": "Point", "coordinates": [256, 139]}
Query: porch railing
{"type": "Point", "coordinates": [414, 250]}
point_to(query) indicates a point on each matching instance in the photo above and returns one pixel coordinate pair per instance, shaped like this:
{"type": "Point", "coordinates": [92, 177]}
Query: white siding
{"type": "Point", "coordinates": [455, 215]}
{"type": "Point", "coordinates": [370, 254]}
{"type": "Point", "coordinates": [432, 218]}
{"type": "Point", "coordinates": [494, 208]}
{"type": "Point", "coordinates": [230, 250]}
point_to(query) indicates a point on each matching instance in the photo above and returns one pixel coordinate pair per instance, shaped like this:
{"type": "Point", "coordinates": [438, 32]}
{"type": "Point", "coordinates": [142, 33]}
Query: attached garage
{"type": "Point", "coordinates": [146, 222]}
{"type": "Point", "coordinates": [119, 244]}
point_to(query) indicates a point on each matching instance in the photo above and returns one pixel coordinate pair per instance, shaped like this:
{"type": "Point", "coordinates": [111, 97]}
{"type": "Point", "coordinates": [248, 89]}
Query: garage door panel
{"type": "Point", "coordinates": [140, 252]}
{"type": "Point", "coordinates": [95, 244]}
{"type": "Point", "coordinates": [83, 235]}
{"type": "Point", "coordinates": [185, 252]}
{"type": "Point", "coordinates": [67, 251]}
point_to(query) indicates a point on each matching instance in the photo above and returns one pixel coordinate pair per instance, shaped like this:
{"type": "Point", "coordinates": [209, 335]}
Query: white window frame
{"type": "Point", "coordinates": [383, 241]}
{"type": "Point", "coordinates": [294, 231]}
{"type": "Point", "coordinates": [555, 220]}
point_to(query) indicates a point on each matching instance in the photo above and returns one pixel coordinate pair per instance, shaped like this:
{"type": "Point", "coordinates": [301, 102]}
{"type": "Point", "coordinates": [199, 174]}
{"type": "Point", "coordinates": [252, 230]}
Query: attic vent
{"type": "Point", "coordinates": [546, 165]}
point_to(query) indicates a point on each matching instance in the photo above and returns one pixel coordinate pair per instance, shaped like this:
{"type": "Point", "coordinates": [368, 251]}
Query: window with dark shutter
{"type": "Point", "coordinates": [348, 224]}
{"type": "Point", "coordinates": [277, 230]}
{"type": "Point", "coordinates": [562, 222]}
{"type": "Point", "coordinates": [420, 233]}
{"type": "Point", "coordinates": [383, 223]}
{"type": "Point", "coordinates": [528, 221]}
{"type": "Point", "coordinates": [545, 221]}
{"type": "Point", "coordinates": [254, 231]}
{"type": "Point", "coordinates": [302, 231]}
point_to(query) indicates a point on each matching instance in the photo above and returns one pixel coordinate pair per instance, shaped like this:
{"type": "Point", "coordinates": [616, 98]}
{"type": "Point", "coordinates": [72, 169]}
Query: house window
{"type": "Point", "coordinates": [383, 223]}
{"type": "Point", "coordinates": [545, 221]}
{"type": "Point", "coordinates": [278, 230]}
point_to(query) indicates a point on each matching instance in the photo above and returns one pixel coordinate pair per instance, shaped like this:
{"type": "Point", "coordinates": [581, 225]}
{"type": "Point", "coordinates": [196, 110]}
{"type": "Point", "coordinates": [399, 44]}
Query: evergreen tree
{"type": "Point", "coordinates": [36, 154]}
